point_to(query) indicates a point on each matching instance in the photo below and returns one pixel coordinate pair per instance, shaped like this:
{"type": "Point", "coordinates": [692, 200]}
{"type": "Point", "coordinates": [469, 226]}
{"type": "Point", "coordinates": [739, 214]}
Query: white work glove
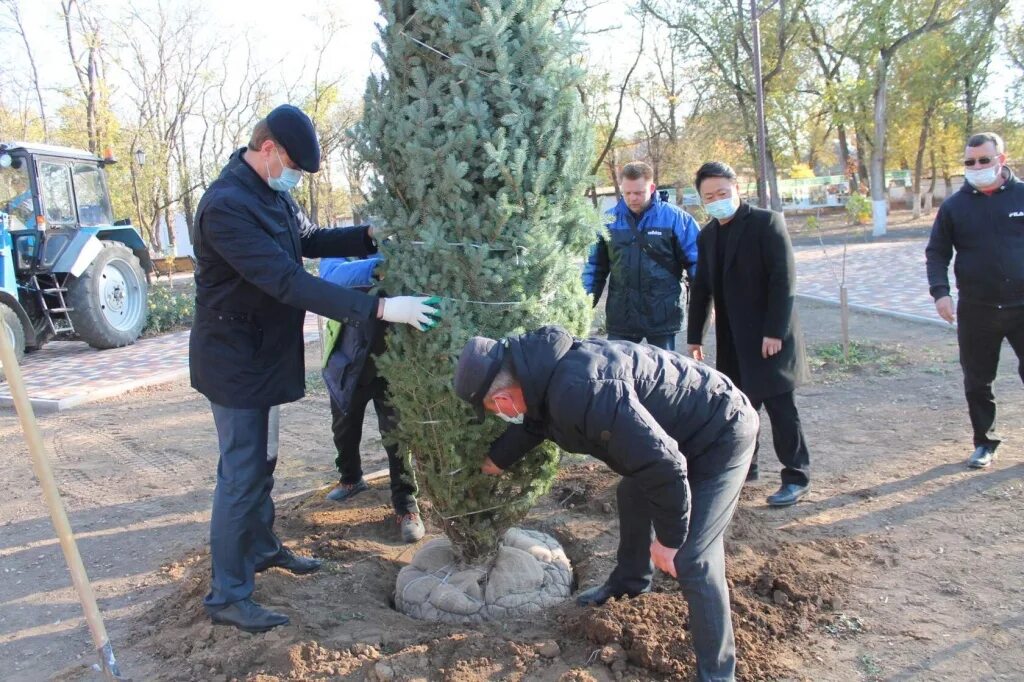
{"type": "Point", "coordinates": [418, 311]}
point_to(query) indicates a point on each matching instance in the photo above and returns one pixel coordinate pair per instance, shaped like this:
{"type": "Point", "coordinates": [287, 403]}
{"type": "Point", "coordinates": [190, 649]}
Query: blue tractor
{"type": "Point", "coordinates": [67, 269]}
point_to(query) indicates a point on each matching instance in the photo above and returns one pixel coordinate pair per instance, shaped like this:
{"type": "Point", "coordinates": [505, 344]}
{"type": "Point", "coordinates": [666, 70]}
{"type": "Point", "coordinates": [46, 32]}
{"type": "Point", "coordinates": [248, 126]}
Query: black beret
{"type": "Point", "coordinates": [478, 364]}
{"type": "Point", "coordinates": [293, 129]}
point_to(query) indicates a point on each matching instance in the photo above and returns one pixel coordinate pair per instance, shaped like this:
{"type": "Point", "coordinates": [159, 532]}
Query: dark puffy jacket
{"type": "Point", "coordinates": [349, 350]}
{"type": "Point", "coordinates": [645, 412]}
{"type": "Point", "coordinates": [988, 235]}
{"type": "Point", "coordinates": [643, 264]}
{"type": "Point", "coordinates": [247, 349]}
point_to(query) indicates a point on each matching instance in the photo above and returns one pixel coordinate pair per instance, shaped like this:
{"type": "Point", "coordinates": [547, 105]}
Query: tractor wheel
{"type": "Point", "coordinates": [15, 332]}
{"type": "Point", "coordinates": [109, 299]}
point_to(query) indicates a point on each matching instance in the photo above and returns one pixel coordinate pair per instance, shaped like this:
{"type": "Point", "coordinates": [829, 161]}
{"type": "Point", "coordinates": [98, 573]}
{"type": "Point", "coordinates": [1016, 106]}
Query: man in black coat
{"type": "Point", "coordinates": [679, 433]}
{"type": "Point", "coordinates": [246, 348]}
{"type": "Point", "coordinates": [984, 224]}
{"type": "Point", "coordinates": [745, 265]}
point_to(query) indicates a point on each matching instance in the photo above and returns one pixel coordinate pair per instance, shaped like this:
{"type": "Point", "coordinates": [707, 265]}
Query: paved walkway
{"type": "Point", "coordinates": [68, 373]}
{"type": "Point", "coordinates": [886, 277]}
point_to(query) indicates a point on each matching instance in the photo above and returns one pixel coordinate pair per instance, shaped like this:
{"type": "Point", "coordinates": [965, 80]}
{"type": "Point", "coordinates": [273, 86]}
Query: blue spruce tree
{"type": "Point", "coordinates": [480, 144]}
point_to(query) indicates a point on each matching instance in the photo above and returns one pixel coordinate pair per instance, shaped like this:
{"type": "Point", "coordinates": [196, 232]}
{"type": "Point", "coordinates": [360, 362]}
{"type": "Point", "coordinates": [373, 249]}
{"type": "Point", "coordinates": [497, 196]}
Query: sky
{"type": "Point", "coordinates": [283, 37]}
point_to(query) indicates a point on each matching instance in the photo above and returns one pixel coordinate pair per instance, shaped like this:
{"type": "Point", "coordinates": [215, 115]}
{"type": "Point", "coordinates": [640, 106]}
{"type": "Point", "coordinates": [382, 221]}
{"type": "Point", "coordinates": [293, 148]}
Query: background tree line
{"type": "Point", "coordinates": [852, 88]}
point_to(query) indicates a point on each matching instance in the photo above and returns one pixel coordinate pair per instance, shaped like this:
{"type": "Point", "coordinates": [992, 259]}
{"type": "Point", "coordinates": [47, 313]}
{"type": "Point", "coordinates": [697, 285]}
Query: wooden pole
{"type": "Point", "coordinates": [844, 316]}
{"type": "Point", "coordinates": [43, 471]}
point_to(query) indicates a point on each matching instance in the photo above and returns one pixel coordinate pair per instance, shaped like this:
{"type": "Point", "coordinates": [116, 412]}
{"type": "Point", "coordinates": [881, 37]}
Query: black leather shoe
{"type": "Point", "coordinates": [249, 616]}
{"type": "Point", "coordinates": [291, 562]}
{"type": "Point", "coordinates": [595, 596]}
{"type": "Point", "coordinates": [787, 494]}
{"type": "Point", "coordinates": [753, 476]}
{"type": "Point", "coordinates": [982, 457]}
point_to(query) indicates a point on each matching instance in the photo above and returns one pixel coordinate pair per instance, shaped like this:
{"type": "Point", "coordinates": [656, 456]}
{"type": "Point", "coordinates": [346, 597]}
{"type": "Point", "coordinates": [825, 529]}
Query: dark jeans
{"type": "Point", "coordinates": [242, 522]}
{"type": "Point", "coordinates": [348, 433]}
{"type": "Point", "coordinates": [700, 562]}
{"type": "Point", "coordinates": [980, 331]}
{"type": "Point", "coordinates": [665, 341]}
{"type": "Point", "coordinates": [788, 439]}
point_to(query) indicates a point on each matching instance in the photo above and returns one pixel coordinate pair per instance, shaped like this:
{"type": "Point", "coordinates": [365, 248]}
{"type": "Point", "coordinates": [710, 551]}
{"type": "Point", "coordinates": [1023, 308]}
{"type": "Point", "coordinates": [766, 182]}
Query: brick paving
{"type": "Point", "coordinates": [886, 276]}
{"type": "Point", "coordinates": [67, 373]}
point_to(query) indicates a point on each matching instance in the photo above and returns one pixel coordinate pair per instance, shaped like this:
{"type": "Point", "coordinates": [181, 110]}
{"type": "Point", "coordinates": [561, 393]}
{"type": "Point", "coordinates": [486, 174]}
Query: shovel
{"type": "Point", "coordinates": [41, 466]}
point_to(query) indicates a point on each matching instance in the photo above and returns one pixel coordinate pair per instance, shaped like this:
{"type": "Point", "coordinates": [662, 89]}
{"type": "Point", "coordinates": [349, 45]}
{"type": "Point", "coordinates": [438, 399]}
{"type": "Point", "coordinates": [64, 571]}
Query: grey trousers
{"type": "Point", "coordinates": [716, 478]}
{"type": "Point", "coordinates": [242, 522]}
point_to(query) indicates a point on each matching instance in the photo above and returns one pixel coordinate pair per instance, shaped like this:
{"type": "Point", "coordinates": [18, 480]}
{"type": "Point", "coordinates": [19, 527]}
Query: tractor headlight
{"type": "Point", "coordinates": [5, 160]}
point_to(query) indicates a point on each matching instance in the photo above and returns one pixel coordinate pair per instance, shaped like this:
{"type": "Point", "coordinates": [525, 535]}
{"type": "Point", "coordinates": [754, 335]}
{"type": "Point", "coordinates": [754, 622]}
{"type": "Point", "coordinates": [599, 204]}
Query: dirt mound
{"type": "Point", "coordinates": [777, 604]}
{"type": "Point", "coordinates": [344, 625]}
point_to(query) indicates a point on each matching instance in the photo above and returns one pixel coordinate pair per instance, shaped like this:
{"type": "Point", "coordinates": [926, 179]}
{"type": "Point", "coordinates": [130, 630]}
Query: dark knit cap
{"type": "Point", "coordinates": [478, 364]}
{"type": "Point", "coordinates": [293, 129]}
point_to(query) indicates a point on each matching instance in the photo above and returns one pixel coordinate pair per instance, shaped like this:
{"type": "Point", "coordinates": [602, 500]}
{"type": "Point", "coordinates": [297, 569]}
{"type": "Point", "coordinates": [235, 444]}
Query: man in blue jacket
{"type": "Point", "coordinates": [350, 374]}
{"type": "Point", "coordinates": [246, 348]}
{"type": "Point", "coordinates": [649, 246]}
{"type": "Point", "coordinates": [984, 224]}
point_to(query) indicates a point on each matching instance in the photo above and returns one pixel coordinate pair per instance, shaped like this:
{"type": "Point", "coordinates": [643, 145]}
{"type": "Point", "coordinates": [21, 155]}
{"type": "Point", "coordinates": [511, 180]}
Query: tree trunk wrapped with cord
{"type": "Point", "coordinates": [478, 137]}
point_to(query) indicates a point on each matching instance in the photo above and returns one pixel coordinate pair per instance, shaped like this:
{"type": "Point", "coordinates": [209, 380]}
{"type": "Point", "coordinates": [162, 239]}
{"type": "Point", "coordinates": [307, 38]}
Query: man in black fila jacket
{"type": "Point", "coordinates": [984, 224]}
{"type": "Point", "coordinates": [679, 433]}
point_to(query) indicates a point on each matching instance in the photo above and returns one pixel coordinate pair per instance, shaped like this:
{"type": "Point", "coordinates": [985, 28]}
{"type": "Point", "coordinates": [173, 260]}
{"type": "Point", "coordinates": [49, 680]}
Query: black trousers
{"type": "Point", "coordinates": [664, 341]}
{"type": "Point", "coordinates": [787, 437]}
{"type": "Point", "coordinates": [348, 433]}
{"type": "Point", "coordinates": [980, 331]}
{"type": "Point", "coordinates": [242, 522]}
{"type": "Point", "coordinates": [715, 483]}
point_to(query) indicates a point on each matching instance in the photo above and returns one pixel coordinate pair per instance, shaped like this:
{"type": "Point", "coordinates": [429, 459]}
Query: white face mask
{"type": "Point", "coordinates": [289, 178]}
{"type": "Point", "coordinates": [518, 419]}
{"type": "Point", "coordinates": [723, 209]}
{"type": "Point", "coordinates": [985, 177]}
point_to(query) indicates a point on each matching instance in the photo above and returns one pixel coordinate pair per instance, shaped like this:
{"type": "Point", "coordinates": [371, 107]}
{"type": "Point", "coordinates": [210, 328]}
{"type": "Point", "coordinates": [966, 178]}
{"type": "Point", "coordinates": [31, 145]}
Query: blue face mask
{"type": "Point", "coordinates": [723, 209]}
{"type": "Point", "coordinates": [289, 178]}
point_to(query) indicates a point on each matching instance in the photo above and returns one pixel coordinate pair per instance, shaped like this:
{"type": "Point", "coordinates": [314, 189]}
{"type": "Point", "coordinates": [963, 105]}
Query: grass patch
{"type": "Point", "coordinates": [864, 358]}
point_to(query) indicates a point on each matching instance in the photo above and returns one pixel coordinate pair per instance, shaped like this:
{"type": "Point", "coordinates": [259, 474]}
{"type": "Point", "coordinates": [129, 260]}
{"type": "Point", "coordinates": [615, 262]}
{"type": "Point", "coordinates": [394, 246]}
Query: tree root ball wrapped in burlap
{"type": "Point", "coordinates": [529, 574]}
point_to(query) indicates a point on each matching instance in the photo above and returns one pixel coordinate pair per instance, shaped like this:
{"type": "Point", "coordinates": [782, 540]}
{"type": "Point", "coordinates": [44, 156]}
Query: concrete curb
{"type": "Point", "coordinates": [55, 405]}
{"type": "Point", "coordinates": [908, 317]}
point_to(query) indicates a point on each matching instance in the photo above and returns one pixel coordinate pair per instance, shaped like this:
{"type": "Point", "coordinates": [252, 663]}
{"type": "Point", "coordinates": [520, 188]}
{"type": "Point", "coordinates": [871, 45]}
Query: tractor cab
{"type": "Point", "coordinates": [67, 269]}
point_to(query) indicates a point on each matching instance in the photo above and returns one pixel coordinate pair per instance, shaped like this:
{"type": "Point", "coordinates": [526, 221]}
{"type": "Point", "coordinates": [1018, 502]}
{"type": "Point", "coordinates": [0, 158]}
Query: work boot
{"type": "Point", "coordinates": [291, 562]}
{"type": "Point", "coordinates": [249, 616]}
{"type": "Point", "coordinates": [412, 527]}
{"type": "Point", "coordinates": [344, 491]}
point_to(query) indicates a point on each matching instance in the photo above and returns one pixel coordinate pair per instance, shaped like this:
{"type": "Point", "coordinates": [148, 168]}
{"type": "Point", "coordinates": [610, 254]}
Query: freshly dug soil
{"type": "Point", "coordinates": [344, 624]}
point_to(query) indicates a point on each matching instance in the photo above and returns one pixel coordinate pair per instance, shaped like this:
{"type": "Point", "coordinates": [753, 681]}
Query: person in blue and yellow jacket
{"type": "Point", "coordinates": [350, 374]}
{"type": "Point", "coordinates": [648, 247]}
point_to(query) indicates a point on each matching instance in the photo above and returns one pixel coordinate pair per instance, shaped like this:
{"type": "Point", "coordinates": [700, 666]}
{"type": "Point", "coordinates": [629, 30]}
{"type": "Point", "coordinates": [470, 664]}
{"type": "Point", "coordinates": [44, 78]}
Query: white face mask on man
{"type": "Point", "coordinates": [985, 177]}
{"type": "Point", "coordinates": [289, 178]}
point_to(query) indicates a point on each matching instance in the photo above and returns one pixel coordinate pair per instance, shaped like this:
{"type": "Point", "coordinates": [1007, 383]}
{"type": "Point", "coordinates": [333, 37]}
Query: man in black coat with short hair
{"type": "Point", "coordinates": [679, 433]}
{"type": "Point", "coordinates": [745, 265]}
{"type": "Point", "coordinates": [246, 348]}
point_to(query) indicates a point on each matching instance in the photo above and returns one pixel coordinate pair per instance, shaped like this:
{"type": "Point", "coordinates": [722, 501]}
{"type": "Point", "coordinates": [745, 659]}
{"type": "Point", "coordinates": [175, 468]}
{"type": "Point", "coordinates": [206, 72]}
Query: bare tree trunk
{"type": "Point", "coordinates": [922, 143]}
{"type": "Point", "coordinates": [188, 205]}
{"type": "Point", "coordinates": [863, 177]}
{"type": "Point", "coordinates": [773, 181]}
{"type": "Point", "coordinates": [844, 153]}
{"type": "Point", "coordinates": [929, 196]}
